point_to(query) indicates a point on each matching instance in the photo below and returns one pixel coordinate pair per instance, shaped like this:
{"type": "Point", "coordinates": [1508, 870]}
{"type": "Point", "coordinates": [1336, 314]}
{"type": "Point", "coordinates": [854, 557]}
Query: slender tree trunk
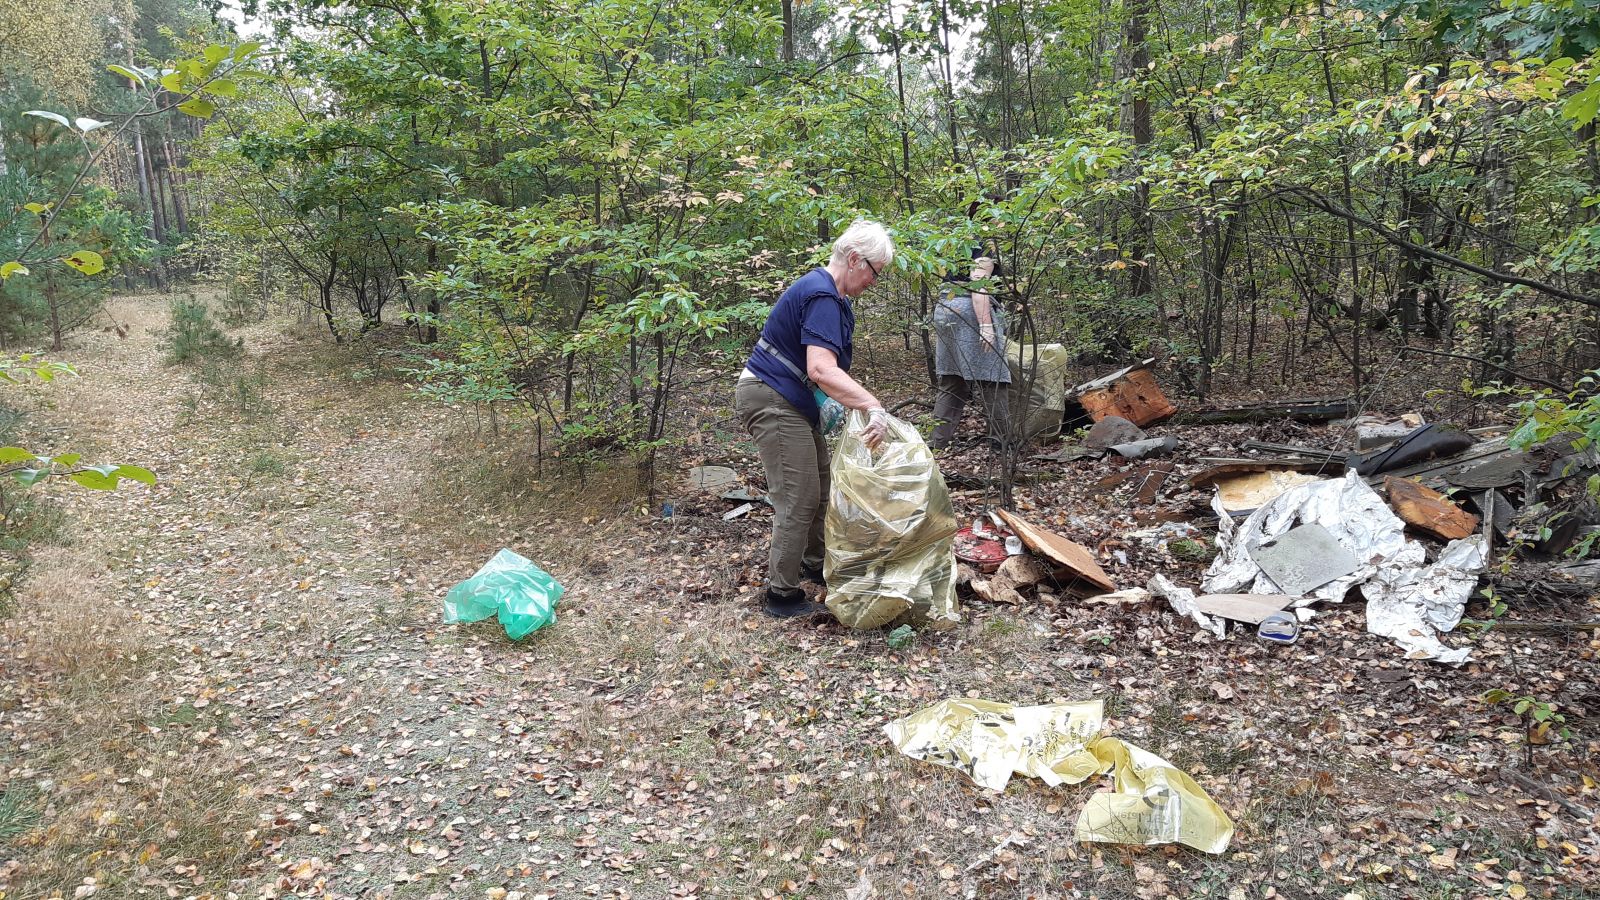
{"type": "Point", "coordinates": [787, 54]}
{"type": "Point", "coordinates": [1136, 50]}
{"type": "Point", "coordinates": [948, 86]}
{"type": "Point", "coordinates": [1499, 202]}
{"type": "Point", "coordinates": [154, 232]}
{"type": "Point", "coordinates": [431, 333]}
{"type": "Point", "coordinates": [52, 302]}
{"type": "Point", "coordinates": [788, 31]}
{"type": "Point", "coordinates": [158, 206]}
{"type": "Point", "coordinates": [907, 200]}
{"type": "Point", "coordinates": [1355, 307]}
{"type": "Point", "coordinates": [1587, 356]}
{"type": "Point", "coordinates": [325, 288]}
{"type": "Point", "coordinates": [1027, 71]}
{"type": "Point", "coordinates": [491, 152]}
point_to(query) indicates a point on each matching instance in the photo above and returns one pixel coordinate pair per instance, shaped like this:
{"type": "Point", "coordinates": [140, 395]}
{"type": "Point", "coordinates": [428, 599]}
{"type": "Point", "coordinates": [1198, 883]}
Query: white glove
{"type": "Point", "coordinates": [877, 428]}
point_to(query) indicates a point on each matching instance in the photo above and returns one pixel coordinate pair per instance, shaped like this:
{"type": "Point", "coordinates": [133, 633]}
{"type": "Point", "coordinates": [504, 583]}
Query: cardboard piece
{"type": "Point", "coordinates": [1072, 557]}
{"type": "Point", "coordinates": [1248, 608]}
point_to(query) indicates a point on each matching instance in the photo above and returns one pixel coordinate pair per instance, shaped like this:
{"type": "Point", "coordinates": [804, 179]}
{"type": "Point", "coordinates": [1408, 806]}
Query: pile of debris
{"type": "Point", "coordinates": [1407, 516]}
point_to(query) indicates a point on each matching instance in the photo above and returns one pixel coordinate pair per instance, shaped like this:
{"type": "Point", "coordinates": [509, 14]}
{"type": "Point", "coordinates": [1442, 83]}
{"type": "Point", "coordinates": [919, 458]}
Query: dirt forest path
{"type": "Point", "coordinates": [286, 573]}
{"type": "Point", "coordinates": [237, 684]}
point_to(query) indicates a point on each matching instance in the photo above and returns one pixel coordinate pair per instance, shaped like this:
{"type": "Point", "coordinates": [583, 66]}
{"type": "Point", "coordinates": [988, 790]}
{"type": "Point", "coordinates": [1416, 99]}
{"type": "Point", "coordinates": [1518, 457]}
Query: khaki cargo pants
{"type": "Point", "coordinates": [795, 458]}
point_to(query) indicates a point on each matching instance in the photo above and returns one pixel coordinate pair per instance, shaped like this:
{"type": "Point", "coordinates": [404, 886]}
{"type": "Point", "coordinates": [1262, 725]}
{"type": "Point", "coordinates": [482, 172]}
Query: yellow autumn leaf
{"type": "Point", "coordinates": [87, 261]}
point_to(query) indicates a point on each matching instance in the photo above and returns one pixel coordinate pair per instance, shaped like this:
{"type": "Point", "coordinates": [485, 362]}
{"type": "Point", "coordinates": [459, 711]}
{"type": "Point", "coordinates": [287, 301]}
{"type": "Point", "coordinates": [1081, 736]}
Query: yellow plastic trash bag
{"type": "Point", "coordinates": [1152, 803]}
{"type": "Point", "coordinates": [1039, 386]}
{"type": "Point", "coordinates": [990, 741]}
{"type": "Point", "coordinates": [889, 530]}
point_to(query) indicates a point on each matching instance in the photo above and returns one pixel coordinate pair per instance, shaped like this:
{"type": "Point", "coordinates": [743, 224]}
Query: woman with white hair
{"type": "Point", "coordinates": [803, 358]}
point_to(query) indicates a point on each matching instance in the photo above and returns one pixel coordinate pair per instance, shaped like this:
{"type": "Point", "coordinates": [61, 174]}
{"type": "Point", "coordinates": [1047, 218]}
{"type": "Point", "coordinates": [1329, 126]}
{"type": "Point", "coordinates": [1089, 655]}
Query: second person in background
{"type": "Point", "coordinates": [969, 358]}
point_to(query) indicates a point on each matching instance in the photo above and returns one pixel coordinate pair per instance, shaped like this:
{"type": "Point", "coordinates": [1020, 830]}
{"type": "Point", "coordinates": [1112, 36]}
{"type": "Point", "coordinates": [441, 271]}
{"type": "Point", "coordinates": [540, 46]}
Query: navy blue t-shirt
{"type": "Point", "coordinates": [811, 311]}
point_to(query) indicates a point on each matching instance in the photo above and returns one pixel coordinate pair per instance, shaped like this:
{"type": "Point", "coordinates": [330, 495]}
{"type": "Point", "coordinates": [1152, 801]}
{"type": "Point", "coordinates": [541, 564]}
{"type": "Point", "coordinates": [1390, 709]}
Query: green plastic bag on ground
{"type": "Point", "coordinates": [520, 593]}
{"type": "Point", "coordinates": [889, 529]}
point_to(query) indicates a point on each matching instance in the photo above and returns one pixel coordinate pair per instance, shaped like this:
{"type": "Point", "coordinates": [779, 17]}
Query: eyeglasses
{"type": "Point", "coordinates": [871, 268]}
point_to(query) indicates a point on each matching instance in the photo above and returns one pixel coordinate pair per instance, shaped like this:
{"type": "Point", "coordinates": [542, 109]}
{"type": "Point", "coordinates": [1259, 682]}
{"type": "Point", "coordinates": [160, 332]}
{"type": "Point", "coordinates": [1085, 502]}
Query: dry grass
{"type": "Point", "coordinates": [104, 777]}
{"type": "Point", "coordinates": [503, 476]}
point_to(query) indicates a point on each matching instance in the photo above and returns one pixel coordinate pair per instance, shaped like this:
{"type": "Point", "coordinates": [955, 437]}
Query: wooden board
{"type": "Point", "coordinates": [1428, 509]}
{"type": "Point", "coordinates": [1250, 608]}
{"type": "Point", "coordinates": [1073, 557]}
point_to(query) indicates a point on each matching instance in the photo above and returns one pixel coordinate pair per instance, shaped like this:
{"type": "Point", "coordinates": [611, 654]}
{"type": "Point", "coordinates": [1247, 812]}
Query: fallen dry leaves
{"type": "Point", "coordinates": [660, 740]}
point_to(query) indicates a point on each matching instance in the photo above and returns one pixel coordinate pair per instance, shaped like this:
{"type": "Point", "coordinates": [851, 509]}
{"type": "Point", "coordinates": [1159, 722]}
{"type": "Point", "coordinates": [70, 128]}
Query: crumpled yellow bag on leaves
{"type": "Point", "coordinates": [889, 530]}
{"type": "Point", "coordinates": [1151, 803]}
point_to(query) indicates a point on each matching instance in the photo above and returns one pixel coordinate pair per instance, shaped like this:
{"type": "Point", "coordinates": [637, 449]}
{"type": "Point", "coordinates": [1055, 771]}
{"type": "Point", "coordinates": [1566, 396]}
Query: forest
{"type": "Point", "coordinates": [307, 307]}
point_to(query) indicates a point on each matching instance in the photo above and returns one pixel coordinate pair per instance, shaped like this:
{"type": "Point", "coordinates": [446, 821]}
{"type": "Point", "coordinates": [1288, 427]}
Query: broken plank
{"type": "Point", "coordinates": [1068, 555]}
{"type": "Point", "coordinates": [1107, 380]}
{"type": "Point", "coordinates": [1128, 597]}
{"type": "Point", "coordinates": [1224, 467]}
{"type": "Point", "coordinates": [1424, 508]}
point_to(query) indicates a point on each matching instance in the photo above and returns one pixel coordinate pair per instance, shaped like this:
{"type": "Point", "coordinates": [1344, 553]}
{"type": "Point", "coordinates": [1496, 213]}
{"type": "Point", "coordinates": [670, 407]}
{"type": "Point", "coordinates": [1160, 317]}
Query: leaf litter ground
{"type": "Point", "coordinates": [237, 684]}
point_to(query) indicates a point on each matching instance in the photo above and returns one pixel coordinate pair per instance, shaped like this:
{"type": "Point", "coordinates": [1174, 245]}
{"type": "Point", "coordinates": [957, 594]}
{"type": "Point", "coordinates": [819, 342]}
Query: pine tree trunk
{"type": "Point", "coordinates": [171, 173]}
{"type": "Point", "coordinates": [158, 220]}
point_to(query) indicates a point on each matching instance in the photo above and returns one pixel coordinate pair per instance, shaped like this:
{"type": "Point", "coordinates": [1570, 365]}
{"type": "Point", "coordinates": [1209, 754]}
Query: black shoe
{"type": "Point", "coordinates": [812, 574]}
{"type": "Point", "coordinates": [789, 604]}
